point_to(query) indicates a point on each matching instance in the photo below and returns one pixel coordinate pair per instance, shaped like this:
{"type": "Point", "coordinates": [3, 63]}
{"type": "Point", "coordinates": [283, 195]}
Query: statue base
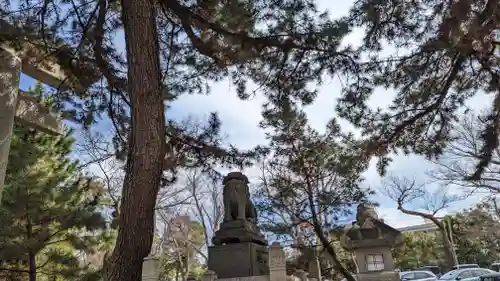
{"type": "Point", "coordinates": [238, 231]}
{"type": "Point", "coordinates": [238, 260]}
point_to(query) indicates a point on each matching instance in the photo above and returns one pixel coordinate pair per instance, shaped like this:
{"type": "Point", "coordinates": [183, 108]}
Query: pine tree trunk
{"type": "Point", "coordinates": [146, 142]}
{"type": "Point", "coordinates": [32, 266]}
{"type": "Point", "coordinates": [31, 254]}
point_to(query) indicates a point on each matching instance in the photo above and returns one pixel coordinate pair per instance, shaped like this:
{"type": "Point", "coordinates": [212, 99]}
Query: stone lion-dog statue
{"type": "Point", "coordinates": [236, 197]}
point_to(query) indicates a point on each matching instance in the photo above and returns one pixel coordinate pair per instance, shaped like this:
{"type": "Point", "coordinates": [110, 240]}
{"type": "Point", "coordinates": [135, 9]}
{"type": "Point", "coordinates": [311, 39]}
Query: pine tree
{"type": "Point", "coordinates": [50, 211]}
{"type": "Point", "coordinates": [173, 48]}
{"type": "Point", "coordinates": [475, 233]}
{"type": "Point", "coordinates": [444, 56]}
{"type": "Point", "coordinates": [311, 180]}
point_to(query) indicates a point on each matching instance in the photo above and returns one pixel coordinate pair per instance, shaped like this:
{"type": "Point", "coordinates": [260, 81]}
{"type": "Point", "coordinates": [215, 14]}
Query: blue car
{"type": "Point", "coordinates": [466, 274]}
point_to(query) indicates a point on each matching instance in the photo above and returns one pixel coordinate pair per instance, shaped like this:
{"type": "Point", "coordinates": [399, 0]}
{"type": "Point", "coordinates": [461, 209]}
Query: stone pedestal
{"type": "Point", "coordinates": [10, 71]}
{"type": "Point", "coordinates": [151, 269]}
{"type": "Point", "coordinates": [238, 231]}
{"type": "Point", "coordinates": [209, 276]}
{"type": "Point", "coordinates": [238, 260]}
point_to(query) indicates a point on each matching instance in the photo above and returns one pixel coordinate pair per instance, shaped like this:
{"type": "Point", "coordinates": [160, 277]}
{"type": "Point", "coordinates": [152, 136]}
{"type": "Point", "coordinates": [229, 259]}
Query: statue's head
{"type": "Point", "coordinates": [364, 211]}
{"type": "Point", "coordinates": [235, 176]}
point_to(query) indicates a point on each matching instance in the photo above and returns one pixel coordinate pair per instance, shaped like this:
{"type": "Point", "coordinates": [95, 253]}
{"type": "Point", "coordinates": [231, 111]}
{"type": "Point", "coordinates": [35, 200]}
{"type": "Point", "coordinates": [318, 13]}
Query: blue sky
{"type": "Point", "coordinates": [240, 119]}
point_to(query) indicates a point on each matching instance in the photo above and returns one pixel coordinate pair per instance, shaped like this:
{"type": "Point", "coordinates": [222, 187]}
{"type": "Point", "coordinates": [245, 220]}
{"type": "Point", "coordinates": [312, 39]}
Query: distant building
{"type": "Point", "coordinates": [427, 226]}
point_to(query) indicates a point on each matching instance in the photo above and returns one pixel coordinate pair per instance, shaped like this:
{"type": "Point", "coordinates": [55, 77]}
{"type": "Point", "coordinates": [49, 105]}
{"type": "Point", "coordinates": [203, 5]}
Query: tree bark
{"type": "Point", "coordinates": [146, 142]}
{"type": "Point", "coordinates": [31, 252]}
{"type": "Point", "coordinates": [448, 248]}
{"type": "Point", "coordinates": [337, 264]}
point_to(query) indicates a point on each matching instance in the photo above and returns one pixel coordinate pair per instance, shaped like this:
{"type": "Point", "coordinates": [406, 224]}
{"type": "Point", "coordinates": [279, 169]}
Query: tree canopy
{"type": "Point", "coordinates": [444, 56]}
{"type": "Point", "coordinates": [312, 179]}
{"type": "Point", "coordinates": [50, 212]}
{"type": "Point", "coordinates": [282, 49]}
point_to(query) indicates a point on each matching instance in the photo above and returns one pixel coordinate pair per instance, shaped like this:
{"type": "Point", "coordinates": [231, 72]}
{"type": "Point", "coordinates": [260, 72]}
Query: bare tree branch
{"type": "Point", "coordinates": [457, 163]}
{"type": "Point", "coordinates": [407, 192]}
{"type": "Point", "coordinates": [207, 202]}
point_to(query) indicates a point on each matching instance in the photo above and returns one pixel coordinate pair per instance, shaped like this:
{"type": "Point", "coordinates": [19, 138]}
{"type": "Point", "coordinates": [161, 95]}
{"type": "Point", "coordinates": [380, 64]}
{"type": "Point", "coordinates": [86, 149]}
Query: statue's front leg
{"type": "Point", "coordinates": [227, 207]}
{"type": "Point", "coordinates": [241, 206]}
{"type": "Point", "coordinates": [254, 213]}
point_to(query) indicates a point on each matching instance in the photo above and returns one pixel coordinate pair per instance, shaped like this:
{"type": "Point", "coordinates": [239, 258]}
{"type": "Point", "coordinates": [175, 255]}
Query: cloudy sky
{"type": "Point", "coordinates": [240, 119]}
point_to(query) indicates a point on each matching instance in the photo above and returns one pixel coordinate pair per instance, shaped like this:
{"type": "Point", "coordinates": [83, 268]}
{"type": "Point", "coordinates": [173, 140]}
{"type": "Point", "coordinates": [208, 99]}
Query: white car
{"type": "Point", "coordinates": [418, 275]}
{"type": "Point", "coordinates": [466, 274]}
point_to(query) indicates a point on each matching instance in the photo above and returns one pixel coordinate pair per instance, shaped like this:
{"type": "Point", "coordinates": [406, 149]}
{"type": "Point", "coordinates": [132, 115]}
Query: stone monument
{"type": "Point", "coordinates": [371, 241]}
{"type": "Point", "coordinates": [239, 249]}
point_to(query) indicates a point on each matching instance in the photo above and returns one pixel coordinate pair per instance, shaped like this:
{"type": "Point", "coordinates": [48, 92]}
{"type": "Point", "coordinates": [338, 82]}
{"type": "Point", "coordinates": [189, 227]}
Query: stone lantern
{"type": "Point", "coordinates": [370, 240]}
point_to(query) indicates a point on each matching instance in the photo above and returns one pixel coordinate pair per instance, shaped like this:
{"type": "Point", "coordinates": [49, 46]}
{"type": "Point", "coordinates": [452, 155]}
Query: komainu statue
{"type": "Point", "coordinates": [236, 197]}
{"type": "Point", "coordinates": [240, 217]}
{"type": "Point", "coordinates": [365, 211]}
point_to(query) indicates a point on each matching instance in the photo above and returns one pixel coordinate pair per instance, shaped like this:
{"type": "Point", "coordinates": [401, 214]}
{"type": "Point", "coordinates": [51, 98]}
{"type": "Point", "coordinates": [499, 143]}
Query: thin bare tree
{"type": "Point", "coordinates": [181, 243]}
{"type": "Point", "coordinates": [99, 159]}
{"type": "Point", "coordinates": [207, 200]}
{"type": "Point", "coordinates": [417, 199]}
{"type": "Point", "coordinates": [457, 164]}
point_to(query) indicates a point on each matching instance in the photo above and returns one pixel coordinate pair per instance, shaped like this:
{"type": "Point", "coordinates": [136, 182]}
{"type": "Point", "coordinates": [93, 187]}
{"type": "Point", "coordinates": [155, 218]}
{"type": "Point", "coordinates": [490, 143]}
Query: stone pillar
{"type": "Point", "coordinates": [277, 263]}
{"type": "Point", "coordinates": [209, 276]}
{"type": "Point", "coordinates": [314, 267]}
{"type": "Point", "coordinates": [151, 269]}
{"type": "Point", "coordinates": [10, 73]}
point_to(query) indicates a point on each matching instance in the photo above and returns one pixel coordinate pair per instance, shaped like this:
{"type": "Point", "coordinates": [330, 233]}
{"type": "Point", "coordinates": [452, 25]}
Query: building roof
{"type": "Point", "coordinates": [426, 226]}
{"type": "Point", "coordinates": [419, 227]}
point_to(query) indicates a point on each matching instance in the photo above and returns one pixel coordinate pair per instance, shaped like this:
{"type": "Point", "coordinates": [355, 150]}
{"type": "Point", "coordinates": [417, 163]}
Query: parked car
{"type": "Point", "coordinates": [467, 265]}
{"type": "Point", "coordinates": [490, 277]}
{"type": "Point", "coordinates": [432, 268]}
{"type": "Point", "coordinates": [418, 275]}
{"type": "Point", "coordinates": [495, 266]}
{"type": "Point", "coordinates": [466, 274]}
{"type": "Point", "coordinates": [415, 276]}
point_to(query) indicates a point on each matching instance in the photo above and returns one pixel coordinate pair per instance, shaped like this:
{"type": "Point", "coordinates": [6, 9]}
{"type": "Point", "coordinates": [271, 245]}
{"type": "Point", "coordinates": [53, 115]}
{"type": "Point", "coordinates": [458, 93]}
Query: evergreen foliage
{"type": "Point", "coordinates": [50, 210]}
{"type": "Point", "coordinates": [310, 182]}
{"type": "Point", "coordinates": [286, 48]}
{"type": "Point", "coordinates": [419, 249]}
{"type": "Point", "coordinates": [444, 56]}
{"type": "Point", "coordinates": [476, 235]}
